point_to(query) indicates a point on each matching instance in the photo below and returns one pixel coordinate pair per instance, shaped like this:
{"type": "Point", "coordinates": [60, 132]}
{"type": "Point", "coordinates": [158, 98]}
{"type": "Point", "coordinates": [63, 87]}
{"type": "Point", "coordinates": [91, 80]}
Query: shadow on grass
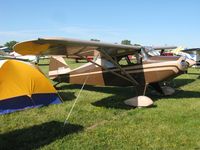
{"type": "Point", "coordinates": [176, 83]}
{"type": "Point", "coordinates": [122, 93]}
{"type": "Point", "coordinates": [192, 73]}
{"type": "Point", "coordinates": [185, 94]}
{"type": "Point", "coordinates": [179, 94]}
{"type": "Point", "coordinates": [61, 86]}
{"type": "Point", "coordinates": [46, 64]}
{"type": "Point", "coordinates": [37, 136]}
{"type": "Point", "coordinates": [116, 102]}
{"type": "Point", "coordinates": [106, 89]}
{"type": "Point", "coordinates": [67, 96]}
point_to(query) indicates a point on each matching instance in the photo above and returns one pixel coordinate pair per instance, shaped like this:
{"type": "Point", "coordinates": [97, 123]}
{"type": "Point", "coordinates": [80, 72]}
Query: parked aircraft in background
{"type": "Point", "coordinates": [14, 55]}
{"type": "Point", "coordinates": [87, 56]}
{"type": "Point", "coordinates": [193, 53]}
{"type": "Point", "coordinates": [5, 49]}
{"type": "Point", "coordinates": [172, 51]}
{"type": "Point", "coordinates": [111, 67]}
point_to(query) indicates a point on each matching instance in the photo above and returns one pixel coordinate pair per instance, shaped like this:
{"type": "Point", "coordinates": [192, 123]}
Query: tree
{"type": "Point", "coordinates": [137, 45]}
{"type": "Point", "coordinates": [126, 42]}
{"type": "Point", "coordinates": [96, 40]}
{"type": "Point", "coordinates": [10, 44]}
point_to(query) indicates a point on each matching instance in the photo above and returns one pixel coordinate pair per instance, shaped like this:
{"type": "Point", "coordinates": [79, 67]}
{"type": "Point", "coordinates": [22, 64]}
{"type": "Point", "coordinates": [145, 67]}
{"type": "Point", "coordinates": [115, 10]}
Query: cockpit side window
{"type": "Point", "coordinates": [104, 63]}
{"type": "Point", "coordinates": [129, 60]}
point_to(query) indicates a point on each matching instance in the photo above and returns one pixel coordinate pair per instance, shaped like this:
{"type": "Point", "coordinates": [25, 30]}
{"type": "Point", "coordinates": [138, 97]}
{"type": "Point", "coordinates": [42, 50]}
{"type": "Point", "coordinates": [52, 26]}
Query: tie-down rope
{"type": "Point", "coordinates": [75, 101]}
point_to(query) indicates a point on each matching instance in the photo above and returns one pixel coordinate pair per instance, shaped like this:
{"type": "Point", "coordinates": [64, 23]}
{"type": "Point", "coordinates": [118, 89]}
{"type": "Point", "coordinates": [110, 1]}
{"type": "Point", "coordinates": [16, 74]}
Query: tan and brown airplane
{"type": "Point", "coordinates": [112, 65]}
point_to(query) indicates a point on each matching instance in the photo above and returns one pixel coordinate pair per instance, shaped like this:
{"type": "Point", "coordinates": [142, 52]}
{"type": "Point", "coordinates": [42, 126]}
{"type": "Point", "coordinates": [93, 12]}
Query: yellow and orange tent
{"type": "Point", "coordinates": [23, 86]}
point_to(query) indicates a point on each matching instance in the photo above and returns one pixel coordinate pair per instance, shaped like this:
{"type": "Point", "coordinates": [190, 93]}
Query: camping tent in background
{"type": "Point", "coordinates": [23, 86]}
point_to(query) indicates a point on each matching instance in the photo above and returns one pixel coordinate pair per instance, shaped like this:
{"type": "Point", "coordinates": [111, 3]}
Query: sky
{"type": "Point", "coordinates": [146, 22]}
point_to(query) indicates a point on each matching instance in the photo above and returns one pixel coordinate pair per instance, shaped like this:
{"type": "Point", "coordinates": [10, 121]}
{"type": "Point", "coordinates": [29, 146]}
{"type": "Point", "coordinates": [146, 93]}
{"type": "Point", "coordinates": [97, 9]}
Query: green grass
{"type": "Point", "coordinates": [100, 120]}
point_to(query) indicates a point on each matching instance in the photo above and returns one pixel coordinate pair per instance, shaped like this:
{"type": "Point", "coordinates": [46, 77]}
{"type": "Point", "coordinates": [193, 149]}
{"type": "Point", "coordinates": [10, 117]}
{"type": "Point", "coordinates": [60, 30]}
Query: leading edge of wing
{"type": "Point", "coordinates": [59, 46]}
{"type": "Point", "coordinates": [164, 47]}
{"type": "Point", "coordinates": [191, 50]}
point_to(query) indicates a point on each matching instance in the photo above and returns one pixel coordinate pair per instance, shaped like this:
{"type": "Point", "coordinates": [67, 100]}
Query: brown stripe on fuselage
{"type": "Point", "coordinates": [141, 75]}
{"type": "Point", "coordinates": [145, 73]}
{"type": "Point", "coordinates": [97, 76]}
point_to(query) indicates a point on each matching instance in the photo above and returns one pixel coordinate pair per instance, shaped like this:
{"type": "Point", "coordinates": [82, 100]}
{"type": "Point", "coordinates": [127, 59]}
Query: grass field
{"type": "Point", "coordinates": [100, 120]}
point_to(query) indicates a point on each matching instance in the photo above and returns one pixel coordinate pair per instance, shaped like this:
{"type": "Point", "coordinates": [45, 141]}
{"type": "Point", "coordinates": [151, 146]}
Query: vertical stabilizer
{"type": "Point", "coordinates": [58, 66]}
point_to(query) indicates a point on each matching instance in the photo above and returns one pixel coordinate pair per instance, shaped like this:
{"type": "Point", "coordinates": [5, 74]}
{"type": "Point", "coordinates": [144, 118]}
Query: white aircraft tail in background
{"type": "Point", "coordinates": [14, 55]}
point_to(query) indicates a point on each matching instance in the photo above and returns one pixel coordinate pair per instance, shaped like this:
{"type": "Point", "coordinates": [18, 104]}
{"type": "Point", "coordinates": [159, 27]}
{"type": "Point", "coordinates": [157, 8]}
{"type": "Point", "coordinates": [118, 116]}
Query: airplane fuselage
{"type": "Point", "coordinates": [153, 70]}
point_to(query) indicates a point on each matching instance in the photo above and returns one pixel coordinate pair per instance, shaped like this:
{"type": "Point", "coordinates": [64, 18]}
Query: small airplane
{"type": "Point", "coordinates": [172, 51]}
{"type": "Point", "coordinates": [193, 53]}
{"type": "Point", "coordinates": [111, 65]}
{"type": "Point", "coordinates": [4, 49]}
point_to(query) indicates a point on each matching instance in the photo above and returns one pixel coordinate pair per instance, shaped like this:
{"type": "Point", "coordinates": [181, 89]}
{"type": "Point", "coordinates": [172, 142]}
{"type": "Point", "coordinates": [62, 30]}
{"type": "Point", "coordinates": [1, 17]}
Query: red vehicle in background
{"type": "Point", "coordinates": [163, 53]}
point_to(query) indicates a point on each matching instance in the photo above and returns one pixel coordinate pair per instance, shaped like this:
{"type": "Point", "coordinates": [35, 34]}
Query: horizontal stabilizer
{"type": "Point", "coordinates": [57, 66]}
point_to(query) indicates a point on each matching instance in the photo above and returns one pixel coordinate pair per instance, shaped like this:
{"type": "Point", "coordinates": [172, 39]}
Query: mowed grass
{"type": "Point", "coordinates": [100, 120]}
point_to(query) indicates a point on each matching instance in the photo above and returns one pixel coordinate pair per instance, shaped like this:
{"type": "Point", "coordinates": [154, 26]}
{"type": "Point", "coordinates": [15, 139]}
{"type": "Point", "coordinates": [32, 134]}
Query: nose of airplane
{"type": "Point", "coordinates": [190, 62]}
{"type": "Point", "coordinates": [183, 64]}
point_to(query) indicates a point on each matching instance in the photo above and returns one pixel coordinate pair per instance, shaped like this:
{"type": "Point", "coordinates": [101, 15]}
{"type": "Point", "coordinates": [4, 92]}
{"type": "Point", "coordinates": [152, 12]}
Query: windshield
{"type": "Point", "coordinates": [152, 52]}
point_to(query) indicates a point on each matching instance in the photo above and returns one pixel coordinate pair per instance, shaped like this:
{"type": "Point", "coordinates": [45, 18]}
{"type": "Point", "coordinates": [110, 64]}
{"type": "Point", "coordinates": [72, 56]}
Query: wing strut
{"type": "Point", "coordinates": [115, 73]}
{"type": "Point", "coordinates": [122, 70]}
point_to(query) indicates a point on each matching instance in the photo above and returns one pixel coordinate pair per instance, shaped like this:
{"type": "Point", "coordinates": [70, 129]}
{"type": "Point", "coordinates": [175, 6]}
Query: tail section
{"type": "Point", "coordinates": [57, 66]}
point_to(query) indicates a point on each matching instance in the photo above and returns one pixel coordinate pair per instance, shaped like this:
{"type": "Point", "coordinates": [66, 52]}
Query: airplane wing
{"type": "Point", "coordinates": [164, 47]}
{"type": "Point", "coordinates": [66, 46]}
{"type": "Point", "coordinates": [192, 50]}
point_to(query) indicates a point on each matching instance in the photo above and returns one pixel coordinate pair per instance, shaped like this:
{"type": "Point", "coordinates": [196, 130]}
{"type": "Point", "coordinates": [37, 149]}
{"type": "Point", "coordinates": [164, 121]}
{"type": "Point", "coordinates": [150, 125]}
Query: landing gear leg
{"type": "Point", "coordinates": [145, 89]}
{"type": "Point", "coordinates": [141, 90]}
